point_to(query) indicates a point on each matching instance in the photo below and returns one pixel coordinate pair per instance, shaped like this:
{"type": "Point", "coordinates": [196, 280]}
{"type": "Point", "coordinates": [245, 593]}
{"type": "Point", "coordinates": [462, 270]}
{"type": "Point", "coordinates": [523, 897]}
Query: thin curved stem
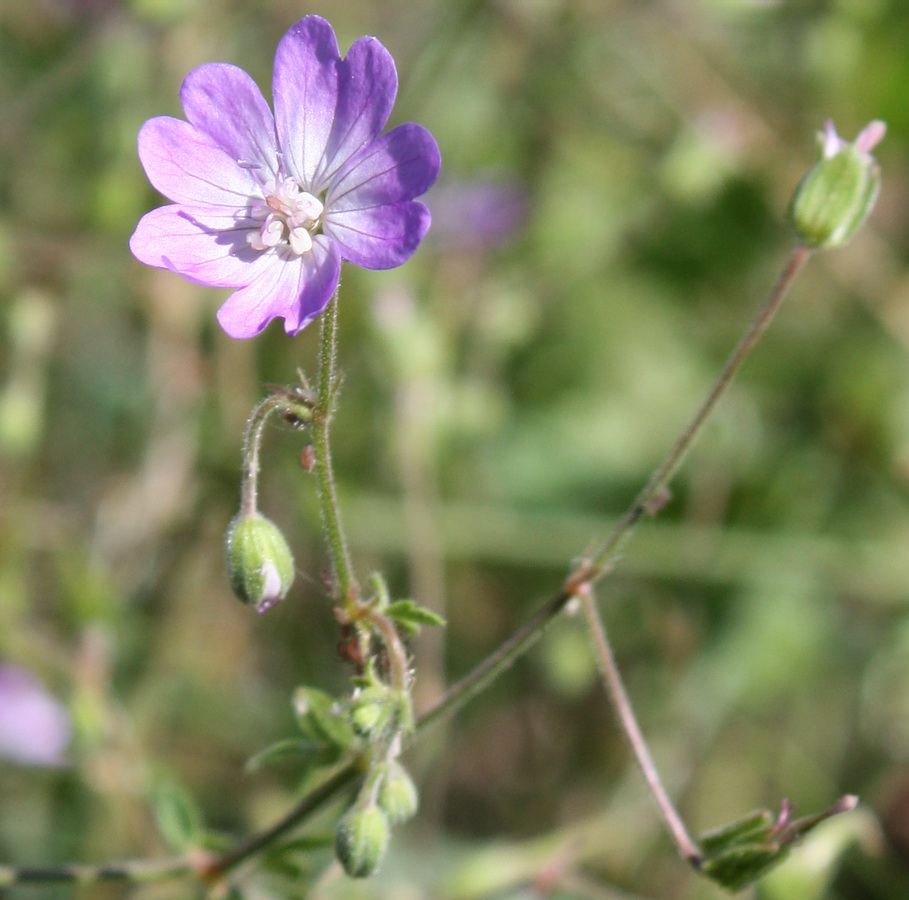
{"type": "Point", "coordinates": [252, 441]}
{"type": "Point", "coordinates": [654, 493]}
{"type": "Point", "coordinates": [618, 696]}
{"type": "Point", "coordinates": [283, 401]}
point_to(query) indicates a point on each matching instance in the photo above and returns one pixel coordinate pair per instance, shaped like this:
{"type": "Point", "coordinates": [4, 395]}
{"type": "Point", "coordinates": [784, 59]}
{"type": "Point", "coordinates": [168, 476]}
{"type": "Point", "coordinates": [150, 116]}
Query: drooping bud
{"type": "Point", "coordinates": [361, 840]}
{"type": "Point", "coordinates": [840, 190]}
{"type": "Point", "coordinates": [259, 562]}
{"type": "Point", "coordinates": [398, 797]}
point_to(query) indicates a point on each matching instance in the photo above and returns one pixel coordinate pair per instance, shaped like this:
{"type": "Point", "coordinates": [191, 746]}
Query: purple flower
{"type": "Point", "coordinates": [34, 727]}
{"type": "Point", "coordinates": [271, 204]}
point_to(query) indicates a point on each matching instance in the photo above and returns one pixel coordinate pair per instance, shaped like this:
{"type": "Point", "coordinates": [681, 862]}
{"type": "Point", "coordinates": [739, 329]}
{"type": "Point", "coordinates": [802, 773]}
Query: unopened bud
{"type": "Point", "coordinates": [361, 840]}
{"type": "Point", "coordinates": [259, 562]}
{"type": "Point", "coordinates": [840, 190]}
{"type": "Point", "coordinates": [373, 710]}
{"type": "Point", "coordinates": [398, 796]}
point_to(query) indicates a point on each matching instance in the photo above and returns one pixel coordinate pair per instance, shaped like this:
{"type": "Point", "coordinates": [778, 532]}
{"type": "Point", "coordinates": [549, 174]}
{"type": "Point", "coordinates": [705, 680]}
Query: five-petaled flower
{"type": "Point", "coordinates": [271, 204]}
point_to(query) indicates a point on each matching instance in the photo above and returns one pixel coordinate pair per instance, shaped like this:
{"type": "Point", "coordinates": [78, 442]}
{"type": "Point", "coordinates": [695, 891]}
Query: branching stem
{"type": "Point", "coordinates": [578, 584]}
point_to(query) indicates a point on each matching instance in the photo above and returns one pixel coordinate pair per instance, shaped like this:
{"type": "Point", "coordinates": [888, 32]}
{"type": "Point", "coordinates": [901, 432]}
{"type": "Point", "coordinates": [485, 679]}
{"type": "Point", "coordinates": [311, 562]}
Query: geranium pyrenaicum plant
{"type": "Point", "coordinates": [271, 204]}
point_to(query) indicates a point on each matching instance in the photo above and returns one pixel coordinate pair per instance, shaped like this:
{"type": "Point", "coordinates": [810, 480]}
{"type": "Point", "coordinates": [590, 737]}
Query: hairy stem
{"type": "Point", "coordinates": [346, 588]}
{"type": "Point", "coordinates": [252, 441]}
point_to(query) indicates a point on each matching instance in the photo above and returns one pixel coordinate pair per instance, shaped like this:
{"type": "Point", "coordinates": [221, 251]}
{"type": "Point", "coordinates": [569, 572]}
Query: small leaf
{"type": "Point", "coordinates": [410, 614]}
{"type": "Point", "coordinates": [310, 752]}
{"type": "Point", "coordinates": [177, 815]}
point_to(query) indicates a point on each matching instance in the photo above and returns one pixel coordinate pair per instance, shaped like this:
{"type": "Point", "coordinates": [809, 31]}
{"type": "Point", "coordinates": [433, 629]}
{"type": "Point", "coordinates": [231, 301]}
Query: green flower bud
{"type": "Point", "coordinates": [840, 190]}
{"type": "Point", "coordinates": [398, 797]}
{"type": "Point", "coordinates": [259, 562]}
{"type": "Point", "coordinates": [373, 709]}
{"type": "Point", "coordinates": [361, 840]}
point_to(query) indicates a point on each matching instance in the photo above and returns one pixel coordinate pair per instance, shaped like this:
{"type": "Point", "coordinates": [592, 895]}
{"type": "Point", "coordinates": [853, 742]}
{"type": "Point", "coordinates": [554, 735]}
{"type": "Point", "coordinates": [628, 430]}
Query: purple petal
{"type": "Point", "coordinates": [34, 727]}
{"type": "Point", "coordinates": [297, 289]}
{"type": "Point", "coordinates": [305, 91]}
{"type": "Point", "coordinates": [185, 165]}
{"type": "Point", "coordinates": [223, 102]}
{"type": "Point", "coordinates": [367, 86]}
{"type": "Point", "coordinates": [398, 166]}
{"type": "Point", "coordinates": [381, 237]}
{"type": "Point", "coordinates": [206, 246]}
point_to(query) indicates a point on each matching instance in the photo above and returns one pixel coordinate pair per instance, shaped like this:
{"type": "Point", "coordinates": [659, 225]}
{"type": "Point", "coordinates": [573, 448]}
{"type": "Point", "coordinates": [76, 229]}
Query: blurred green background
{"type": "Point", "coordinates": [611, 211]}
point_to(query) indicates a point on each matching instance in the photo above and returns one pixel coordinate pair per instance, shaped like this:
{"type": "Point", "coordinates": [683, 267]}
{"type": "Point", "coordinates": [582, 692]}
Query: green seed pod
{"type": "Point", "coordinates": [259, 562]}
{"type": "Point", "coordinates": [398, 796]}
{"type": "Point", "coordinates": [361, 840]}
{"type": "Point", "coordinates": [840, 190]}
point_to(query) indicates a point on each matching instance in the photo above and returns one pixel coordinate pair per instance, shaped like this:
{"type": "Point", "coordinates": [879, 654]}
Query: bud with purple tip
{"type": "Point", "coordinates": [840, 190]}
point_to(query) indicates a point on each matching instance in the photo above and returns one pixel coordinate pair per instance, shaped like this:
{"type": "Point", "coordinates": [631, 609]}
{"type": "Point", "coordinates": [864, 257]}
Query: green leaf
{"type": "Point", "coordinates": [177, 815]}
{"type": "Point", "coordinates": [310, 752]}
{"type": "Point", "coordinates": [322, 719]}
{"type": "Point", "coordinates": [410, 615]}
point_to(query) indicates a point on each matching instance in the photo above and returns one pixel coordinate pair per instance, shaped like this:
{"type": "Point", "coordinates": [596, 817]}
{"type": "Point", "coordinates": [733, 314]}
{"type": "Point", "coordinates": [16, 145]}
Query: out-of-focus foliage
{"type": "Point", "coordinates": [612, 210]}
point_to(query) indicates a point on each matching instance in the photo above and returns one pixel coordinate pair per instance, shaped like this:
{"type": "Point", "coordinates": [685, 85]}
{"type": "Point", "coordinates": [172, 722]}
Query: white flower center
{"type": "Point", "coordinates": [290, 217]}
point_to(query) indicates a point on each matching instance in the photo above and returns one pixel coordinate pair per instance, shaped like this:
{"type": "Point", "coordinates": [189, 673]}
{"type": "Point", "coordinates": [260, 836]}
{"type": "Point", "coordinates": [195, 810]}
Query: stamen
{"type": "Point", "coordinates": [309, 205]}
{"type": "Point", "coordinates": [290, 214]}
{"type": "Point", "coordinates": [269, 235]}
{"type": "Point", "coordinates": [300, 241]}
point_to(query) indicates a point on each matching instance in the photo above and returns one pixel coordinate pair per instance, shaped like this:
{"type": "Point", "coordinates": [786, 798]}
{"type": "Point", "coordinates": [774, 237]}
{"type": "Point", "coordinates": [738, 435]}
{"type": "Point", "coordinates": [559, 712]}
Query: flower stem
{"type": "Point", "coordinates": [345, 586]}
{"type": "Point", "coordinates": [252, 441]}
{"type": "Point", "coordinates": [618, 696]}
{"type": "Point", "coordinates": [654, 493]}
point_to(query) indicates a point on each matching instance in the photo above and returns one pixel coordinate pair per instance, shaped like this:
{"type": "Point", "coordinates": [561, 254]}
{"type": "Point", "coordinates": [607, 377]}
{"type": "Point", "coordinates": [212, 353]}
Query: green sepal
{"type": "Point", "coordinates": [738, 854]}
{"type": "Point", "coordinates": [838, 193]}
{"type": "Point", "coordinates": [361, 840]}
{"type": "Point", "coordinates": [718, 840]}
{"type": "Point", "coordinates": [737, 868]}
